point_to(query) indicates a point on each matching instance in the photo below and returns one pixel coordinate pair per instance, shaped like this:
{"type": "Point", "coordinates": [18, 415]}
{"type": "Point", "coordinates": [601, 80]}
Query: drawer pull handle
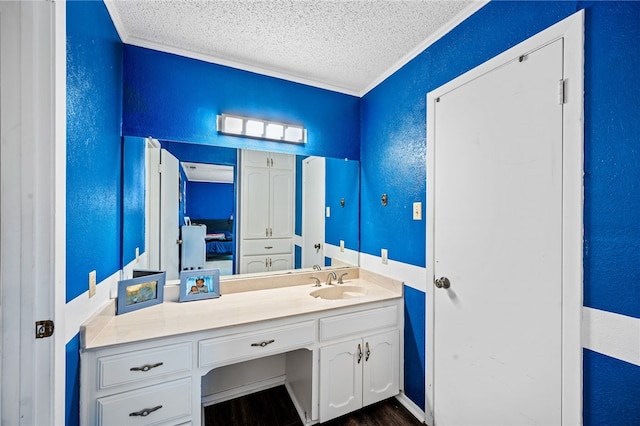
{"type": "Point", "coordinates": [263, 344]}
{"type": "Point", "coordinates": [145, 412]}
{"type": "Point", "coordinates": [147, 367]}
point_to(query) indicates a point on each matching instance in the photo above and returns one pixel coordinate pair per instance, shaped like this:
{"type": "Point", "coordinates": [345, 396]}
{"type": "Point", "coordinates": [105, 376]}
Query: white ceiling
{"type": "Point", "coordinates": [201, 172]}
{"type": "Point", "coordinates": [343, 45]}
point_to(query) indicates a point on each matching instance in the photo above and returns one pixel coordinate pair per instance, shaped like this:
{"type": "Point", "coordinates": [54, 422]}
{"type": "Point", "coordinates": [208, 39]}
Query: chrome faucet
{"type": "Point", "coordinates": [340, 278]}
{"type": "Point", "coordinates": [331, 275]}
{"type": "Point", "coordinates": [317, 284]}
{"type": "Point", "coordinates": [317, 267]}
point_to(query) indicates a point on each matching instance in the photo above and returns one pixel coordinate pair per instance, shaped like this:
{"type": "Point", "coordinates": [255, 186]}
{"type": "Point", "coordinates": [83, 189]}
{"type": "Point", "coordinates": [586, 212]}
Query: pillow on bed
{"type": "Point", "coordinates": [216, 236]}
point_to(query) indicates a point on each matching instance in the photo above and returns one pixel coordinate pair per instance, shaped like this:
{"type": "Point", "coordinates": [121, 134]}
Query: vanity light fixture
{"type": "Point", "coordinates": [261, 129]}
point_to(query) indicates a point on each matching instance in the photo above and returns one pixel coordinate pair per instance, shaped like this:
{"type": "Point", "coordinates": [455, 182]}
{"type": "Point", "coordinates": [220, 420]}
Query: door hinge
{"type": "Point", "coordinates": [561, 92]}
{"type": "Point", "coordinates": [44, 328]}
{"type": "Point", "coordinates": [160, 168]}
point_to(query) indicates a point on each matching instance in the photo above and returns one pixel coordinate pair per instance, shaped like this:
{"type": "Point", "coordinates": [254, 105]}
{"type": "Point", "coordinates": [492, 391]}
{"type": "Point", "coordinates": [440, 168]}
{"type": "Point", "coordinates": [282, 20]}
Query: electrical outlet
{"type": "Point", "coordinates": [384, 254]}
{"type": "Point", "coordinates": [341, 246]}
{"type": "Point", "coordinates": [137, 254]}
{"type": "Point", "coordinates": [417, 211]}
{"type": "Point", "coordinates": [92, 283]}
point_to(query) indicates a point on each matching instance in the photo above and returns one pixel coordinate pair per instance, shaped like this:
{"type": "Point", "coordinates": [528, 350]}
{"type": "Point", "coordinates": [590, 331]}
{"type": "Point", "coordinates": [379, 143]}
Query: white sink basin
{"type": "Point", "coordinates": [338, 292]}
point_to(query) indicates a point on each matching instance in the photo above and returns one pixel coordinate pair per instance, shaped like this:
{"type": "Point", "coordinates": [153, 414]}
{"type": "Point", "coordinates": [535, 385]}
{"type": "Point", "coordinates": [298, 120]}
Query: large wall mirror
{"type": "Point", "coordinates": [197, 192]}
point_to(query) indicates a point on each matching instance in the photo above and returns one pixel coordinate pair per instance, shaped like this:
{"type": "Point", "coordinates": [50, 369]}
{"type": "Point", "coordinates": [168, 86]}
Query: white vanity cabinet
{"type": "Point", "coordinates": [358, 372]}
{"type": "Point", "coordinates": [138, 384]}
{"type": "Point", "coordinates": [334, 357]}
{"type": "Point", "coordinates": [266, 255]}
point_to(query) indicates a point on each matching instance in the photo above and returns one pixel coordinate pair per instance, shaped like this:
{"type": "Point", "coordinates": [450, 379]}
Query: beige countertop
{"type": "Point", "coordinates": [259, 300]}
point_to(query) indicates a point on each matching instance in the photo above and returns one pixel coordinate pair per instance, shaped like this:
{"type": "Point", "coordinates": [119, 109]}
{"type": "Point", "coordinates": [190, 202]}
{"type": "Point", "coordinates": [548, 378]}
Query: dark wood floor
{"type": "Point", "coordinates": [273, 407]}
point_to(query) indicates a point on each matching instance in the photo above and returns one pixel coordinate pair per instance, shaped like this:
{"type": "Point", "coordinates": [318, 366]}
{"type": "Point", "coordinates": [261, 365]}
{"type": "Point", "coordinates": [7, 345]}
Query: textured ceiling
{"type": "Point", "coordinates": [347, 46]}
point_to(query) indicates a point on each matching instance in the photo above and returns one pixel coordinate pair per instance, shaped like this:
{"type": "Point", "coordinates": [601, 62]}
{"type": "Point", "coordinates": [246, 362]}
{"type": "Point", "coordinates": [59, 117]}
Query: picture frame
{"type": "Point", "coordinates": [140, 292]}
{"type": "Point", "coordinates": [199, 284]}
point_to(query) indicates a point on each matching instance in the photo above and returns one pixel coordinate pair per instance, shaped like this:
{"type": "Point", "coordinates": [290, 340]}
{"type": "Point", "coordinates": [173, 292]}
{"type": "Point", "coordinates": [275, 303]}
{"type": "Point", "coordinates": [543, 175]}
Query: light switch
{"type": "Point", "coordinates": [328, 211]}
{"type": "Point", "coordinates": [384, 254]}
{"type": "Point", "coordinates": [417, 211]}
{"type": "Point", "coordinates": [342, 246]}
{"type": "Point", "coordinates": [137, 254]}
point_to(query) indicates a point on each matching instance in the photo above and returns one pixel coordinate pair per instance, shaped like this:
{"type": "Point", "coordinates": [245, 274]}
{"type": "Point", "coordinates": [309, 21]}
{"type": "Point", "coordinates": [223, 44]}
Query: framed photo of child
{"type": "Point", "coordinates": [199, 284]}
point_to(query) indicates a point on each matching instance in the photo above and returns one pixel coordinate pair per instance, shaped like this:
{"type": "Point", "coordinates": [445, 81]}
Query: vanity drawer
{"type": "Point", "coordinates": [151, 405]}
{"type": "Point", "coordinates": [128, 367]}
{"type": "Point", "coordinates": [266, 247]}
{"type": "Point", "coordinates": [238, 347]}
{"type": "Point", "coordinates": [358, 322]}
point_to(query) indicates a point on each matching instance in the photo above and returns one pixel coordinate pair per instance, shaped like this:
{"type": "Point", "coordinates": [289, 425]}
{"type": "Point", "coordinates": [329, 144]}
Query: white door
{"type": "Point", "coordinates": [169, 226]}
{"type": "Point", "coordinates": [32, 215]}
{"type": "Point", "coordinates": [255, 202]}
{"type": "Point", "coordinates": [340, 379]}
{"type": "Point", "coordinates": [381, 368]}
{"type": "Point", "coordinates": [498, 241]}
{"type": "Point", "coordinates": [313, 212]}
{"type": "Point", "coordinates": [152, 204]}
{"type": "Point", "coordinates": [281, 203]}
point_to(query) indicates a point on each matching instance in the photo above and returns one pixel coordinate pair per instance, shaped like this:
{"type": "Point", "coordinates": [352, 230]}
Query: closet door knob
{"type": "Point", "coordinates": [443, 282]}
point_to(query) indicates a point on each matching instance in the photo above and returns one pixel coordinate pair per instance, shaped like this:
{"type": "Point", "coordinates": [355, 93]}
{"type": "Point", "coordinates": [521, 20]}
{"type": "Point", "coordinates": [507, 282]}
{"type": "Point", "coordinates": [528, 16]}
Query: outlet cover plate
{"type": "Point", "coordinates": [92, 283]}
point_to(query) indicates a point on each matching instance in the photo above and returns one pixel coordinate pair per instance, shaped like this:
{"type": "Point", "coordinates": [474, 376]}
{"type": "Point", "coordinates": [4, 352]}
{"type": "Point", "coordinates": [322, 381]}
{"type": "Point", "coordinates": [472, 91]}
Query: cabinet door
{"type": "Point", "coordinates": [340, 379]}
{"type": "Point", "coordinates": [255, 203]}
{"type": "Point", "coordinates": [281, 161]}
{"type": "Point", "coordinates": [281, 204]}
{"type": "Point", "coordinates": [280, 262]}
{"type": "Point", "coordinates": [381, 368]}
{"type": "Point", "coordinates": [255, 158]}
{"type": "Point", "coordinates": [252, 264]}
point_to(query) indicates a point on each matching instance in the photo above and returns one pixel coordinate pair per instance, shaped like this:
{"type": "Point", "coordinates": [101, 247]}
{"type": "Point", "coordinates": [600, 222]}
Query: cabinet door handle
{"type": "Point", "coordinates": [145, 412]}
{"type": "Point", "coordinates": [366, 358]}
{"type": "Point", "coordinates": [263, 344]}
{"type": "Point", "coordinates": [147, 367]}
{"type": "Point", "coordinates": [359, 353]}
{"type": "Point", "coordinates": [266, 232]}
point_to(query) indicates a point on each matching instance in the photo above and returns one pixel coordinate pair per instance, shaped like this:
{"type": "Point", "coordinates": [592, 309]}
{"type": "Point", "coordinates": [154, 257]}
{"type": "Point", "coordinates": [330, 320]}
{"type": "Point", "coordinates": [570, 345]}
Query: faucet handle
{"type": "Point", "coordinates": [340, 278]}
{"type": "Point", "coordinates": [317, 284]}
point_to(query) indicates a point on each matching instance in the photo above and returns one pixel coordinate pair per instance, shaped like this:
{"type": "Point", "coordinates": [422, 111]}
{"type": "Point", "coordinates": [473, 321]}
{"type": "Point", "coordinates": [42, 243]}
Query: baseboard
{"type": "Point", "coordinates": [241, 391]}
{"type": "Point", "coordinates": [411, 406]}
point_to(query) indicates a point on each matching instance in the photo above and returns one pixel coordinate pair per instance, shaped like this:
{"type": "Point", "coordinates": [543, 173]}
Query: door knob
{"type": "Point", "coordinates": [443, 282]}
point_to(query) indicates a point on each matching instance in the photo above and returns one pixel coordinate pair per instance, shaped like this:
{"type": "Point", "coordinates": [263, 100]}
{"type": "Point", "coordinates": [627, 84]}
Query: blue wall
{"type": "Point", "coordinates": [393, 152]}
{"type": "Point", "coordinates": [94, 155]}
{"type": "Point", "coordinates": [94, 111]}
{"type": "Point", "coordinates": [176, 98]}
{"type": "Point", "coordinates": [341, 181]}
{"type": "Point", "coordinates": [207, 200]}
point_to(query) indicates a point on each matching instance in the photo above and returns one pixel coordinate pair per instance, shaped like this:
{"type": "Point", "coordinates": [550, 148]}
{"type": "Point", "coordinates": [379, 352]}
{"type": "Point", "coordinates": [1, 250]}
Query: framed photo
{"type": "Point", "coordinates": [140, 292]}
{"type": "Point", "coordinates": [199, 284]}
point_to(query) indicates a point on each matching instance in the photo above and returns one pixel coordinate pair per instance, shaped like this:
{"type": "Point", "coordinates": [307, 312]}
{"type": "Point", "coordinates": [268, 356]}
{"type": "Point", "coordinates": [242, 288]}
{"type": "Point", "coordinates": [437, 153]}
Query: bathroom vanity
{"type": "Point", "coordinates": [336, 350]}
